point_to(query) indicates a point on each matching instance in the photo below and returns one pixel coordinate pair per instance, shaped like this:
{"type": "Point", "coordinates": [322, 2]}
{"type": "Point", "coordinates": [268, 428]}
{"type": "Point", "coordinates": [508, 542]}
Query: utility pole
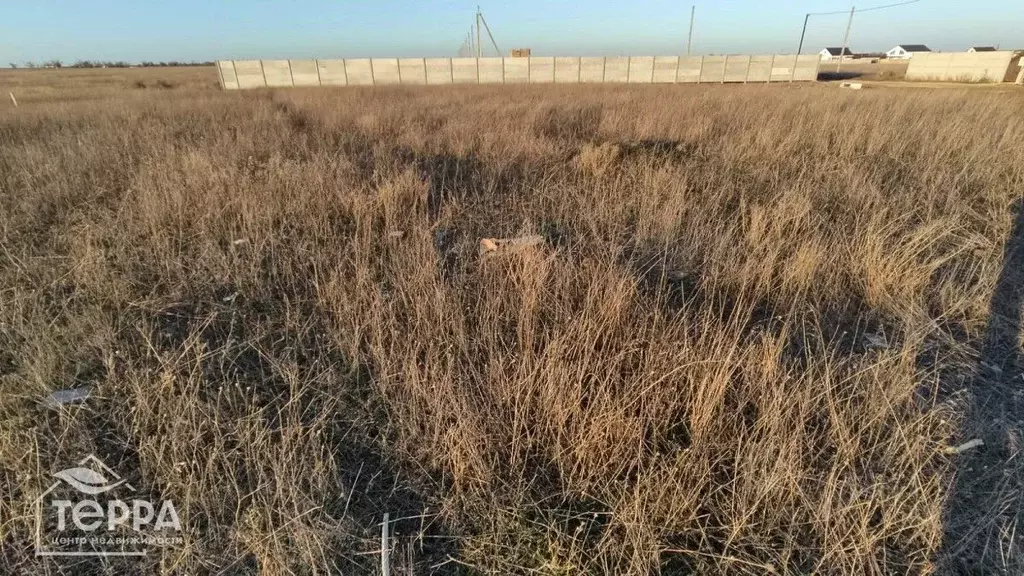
{"type": "Point", "coordinates": [689, 39]}
{"type": "Point", "coordinates": [846, 38]}
{"type": "Point", "coordinates": [804, 31]}
{"type": "Point", "coordinates": [478, 45]}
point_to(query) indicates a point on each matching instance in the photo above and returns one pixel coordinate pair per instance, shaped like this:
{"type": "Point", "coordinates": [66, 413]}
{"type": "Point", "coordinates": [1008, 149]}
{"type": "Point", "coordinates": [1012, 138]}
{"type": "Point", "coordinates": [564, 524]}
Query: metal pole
{"type": "Point", "coordinates": [800, 48]}
{"type": "Point", "coordinates": [846, 38]}
{"type": "Point", "coordinates": [689, 38]}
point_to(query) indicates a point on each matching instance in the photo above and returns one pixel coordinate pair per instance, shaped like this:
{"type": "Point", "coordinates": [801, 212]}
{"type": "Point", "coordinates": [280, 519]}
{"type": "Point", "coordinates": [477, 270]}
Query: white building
{"type": "Point", "coordinates": [906, 51]}
{"type": "Point", "coordinates": [831, 54]}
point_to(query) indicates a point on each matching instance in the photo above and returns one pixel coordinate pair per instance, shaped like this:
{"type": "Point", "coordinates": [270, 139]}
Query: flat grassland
{"type": "Point", "coordinates": [760, 320]}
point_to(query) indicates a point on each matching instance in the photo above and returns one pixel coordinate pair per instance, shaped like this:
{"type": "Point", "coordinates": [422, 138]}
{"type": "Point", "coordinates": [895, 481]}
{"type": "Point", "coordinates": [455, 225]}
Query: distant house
{"type": "Point", "coordinates": [828, 54]}
{"type": "Point", "coordinates": [982, 49]}
{"type": "Point", "coordinates": [906, 51]}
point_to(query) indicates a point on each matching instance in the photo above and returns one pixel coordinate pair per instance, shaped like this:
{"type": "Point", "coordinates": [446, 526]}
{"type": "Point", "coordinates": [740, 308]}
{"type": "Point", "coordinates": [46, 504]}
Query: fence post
{"type": "Point", "coordinates": [451, 70]}
{"type": "Point", "coordinates": [604, 67]}
{"type": "Point", "coordinates": [263, 73]}
{"type": "Point", "coordinates": [316, 62]}
{"type": "Point", "coordinates": [746, 75]}
{"type": "Point", "coordinates": [344, 68]}
{"type": "Point", "coordinates": [373, 77]}
{"type": "Point", "coordinates": [385, 545]}
{"type": "Point", "coordinates": [398, 61]}
{"type": "Point", "coordinates": [424, 71]}
{"type": "Point", "coordinates": [679, 62]}
{"type": "Point", "coordinates": [725, 67]}
{"type": "Point", "coordinates": [291, 77]}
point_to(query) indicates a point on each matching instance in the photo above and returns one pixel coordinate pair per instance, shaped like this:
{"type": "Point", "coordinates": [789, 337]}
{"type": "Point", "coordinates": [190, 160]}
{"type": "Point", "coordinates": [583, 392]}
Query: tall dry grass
{"type": "Point", "coordinates": [277, 299]}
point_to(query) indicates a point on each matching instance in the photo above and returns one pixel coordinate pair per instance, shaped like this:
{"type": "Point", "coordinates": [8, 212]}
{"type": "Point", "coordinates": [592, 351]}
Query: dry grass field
{"type": "Point", "coordinates": [760, 318]}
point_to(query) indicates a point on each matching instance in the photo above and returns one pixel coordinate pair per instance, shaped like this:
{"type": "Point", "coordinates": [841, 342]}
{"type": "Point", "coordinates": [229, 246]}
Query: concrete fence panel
{"type": "Point", "coordinates": [567, 70]}
{"type": "Point", "coordinates": [385, 71]}
{"type": "Point", "coordinates": [591, 69]}
{"type": "Point", "coordinates": [250, 74]}
{"type": "Point", "coordinates": [412, 70]}
{"type": "Point", "coordinates": [439, 70]}
{"type": "Point", "coordinates": [641, 69]}
{"type": "Point", "coordinates": [277, 73]}
{"type": "Point", "coordinates": [492, 70]}
{"type": "Point", "coordinates": [960, 66]}
{"type": "Point", "coordinates": [517, 70]}
{"type": "Point", "coordinates": [930, 66]}
{"type": "Point", "coordinates": [226, 73]}
{"type": "Point", "coordinates": [689, 69]}
{"type": "Point", "coordinates": [542, 69]}
{"type": "Point", "coordinates": [464, 71]}
{"type": "Point", "coordinates": [713, 69]}
{"type": "Point", "coordinates": [760, 68]}
{"type": "Point", "coordinates": [993, 66]}
{"type": "Point", "coordinates": [736, 67]}
{"type": "Point", "coordinates": [665, 69]}
{"type": "Point", "coordinates": [616, 69]}
{"type": "Point", "coordinates": [359, 71]}
{"type": "Point", "coordinates": [980, 67]}
{"type": "Point", "coordinates": [332, 72]}
{"type": "Point", "coordinates": [806, 68]}
{"type": "Point", "coordinates": [304, 73]}
{"type": "Point", "coordinates": [782, 67]}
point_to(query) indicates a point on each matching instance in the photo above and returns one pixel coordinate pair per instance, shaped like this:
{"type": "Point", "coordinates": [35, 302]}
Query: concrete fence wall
{"type": "Point", "coordinates": [961, 66]}
{"type": "Point", "coordinates": [242, 74]}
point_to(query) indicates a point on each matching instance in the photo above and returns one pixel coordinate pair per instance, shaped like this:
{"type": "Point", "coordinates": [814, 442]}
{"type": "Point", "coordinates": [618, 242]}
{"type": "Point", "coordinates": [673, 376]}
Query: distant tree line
{"type": "Point", "coordinates": [107, 64]}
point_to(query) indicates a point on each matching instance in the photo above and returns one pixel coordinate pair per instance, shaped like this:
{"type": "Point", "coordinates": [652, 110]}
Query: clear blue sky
{"type": "Point", "coordinates": [136, 30]}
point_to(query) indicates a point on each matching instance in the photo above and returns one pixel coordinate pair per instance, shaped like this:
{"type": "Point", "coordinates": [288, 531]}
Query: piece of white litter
{"type": "Point", "coordinates": [396, 234]}
{"type": "Point", "coordinates": [851, 85]}
{"type": "Point", "coordinates": [965, 446]}
{"type": "Point", "coordinates": [240, 241]}
{"type": "Point", "coordinates": [230, 297]}
{"type": "Point", "coordinates": [876, 341]}
{"type": "Point", "coordinates": [59, 398]}
{"type": "Point", "coordinates": [13, 99]}
{"type": "Point", "coordinates": [491, 246]}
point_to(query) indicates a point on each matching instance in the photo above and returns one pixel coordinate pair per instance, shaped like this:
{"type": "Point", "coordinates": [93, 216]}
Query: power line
{"type": "Point", "coordinates": [851, 12]}
{"type": "Point", "coordinates": [888, 6]}
{"type": "Point", "coordinates": [863, 9]}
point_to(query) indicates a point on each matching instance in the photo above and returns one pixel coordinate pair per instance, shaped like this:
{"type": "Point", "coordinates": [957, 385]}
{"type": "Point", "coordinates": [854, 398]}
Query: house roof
{"type": "Point", "coordinates": [983, 48]}
{"type": "Point", "coordinates": [914, 47]}
{"type": "Point", "coordinates": [836, 51]}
